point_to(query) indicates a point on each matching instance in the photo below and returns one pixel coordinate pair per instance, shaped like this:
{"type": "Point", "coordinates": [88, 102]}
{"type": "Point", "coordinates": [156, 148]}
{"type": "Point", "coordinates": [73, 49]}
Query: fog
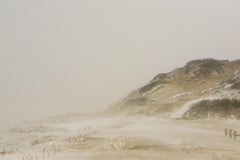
{"type": "Point", "coordinates": [67, 56]}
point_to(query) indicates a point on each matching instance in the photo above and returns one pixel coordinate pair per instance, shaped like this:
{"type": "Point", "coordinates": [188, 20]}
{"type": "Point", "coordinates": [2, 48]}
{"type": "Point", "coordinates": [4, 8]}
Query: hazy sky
{"type": "Point", "coordinates": [59, 56]}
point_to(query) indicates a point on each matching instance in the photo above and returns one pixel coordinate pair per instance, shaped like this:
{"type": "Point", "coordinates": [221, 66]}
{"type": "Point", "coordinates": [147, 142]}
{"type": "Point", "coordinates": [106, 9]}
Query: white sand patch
{"type": "Point", "coordinates": [227, 86]}
{"type": "Point", "coordinates": [187, 106]}
{"type": "Point", "coordinates": [181, 95]}
{"type": "Point", "coordinates": [153, 89]}
{"type": "Point", "coordinates": [206, 90]}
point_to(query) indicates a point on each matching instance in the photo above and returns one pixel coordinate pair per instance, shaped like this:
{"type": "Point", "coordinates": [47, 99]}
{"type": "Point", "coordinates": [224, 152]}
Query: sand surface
{"type": "Point", "coordinates": [132, 138]}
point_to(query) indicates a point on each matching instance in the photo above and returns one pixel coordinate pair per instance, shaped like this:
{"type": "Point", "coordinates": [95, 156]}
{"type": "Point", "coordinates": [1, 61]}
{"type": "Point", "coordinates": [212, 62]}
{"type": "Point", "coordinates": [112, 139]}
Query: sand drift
{"type": "Point", "coordinates": [122, 138]}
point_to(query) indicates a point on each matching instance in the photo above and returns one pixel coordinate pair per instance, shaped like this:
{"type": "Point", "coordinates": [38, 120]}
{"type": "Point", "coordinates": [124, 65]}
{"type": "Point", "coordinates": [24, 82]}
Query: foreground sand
{"type": "Point", "coordinates": [139, 138]}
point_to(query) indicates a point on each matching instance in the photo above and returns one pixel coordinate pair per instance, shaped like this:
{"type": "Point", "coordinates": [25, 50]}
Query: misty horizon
{"type": "Point", "coordinates": [62, 57]}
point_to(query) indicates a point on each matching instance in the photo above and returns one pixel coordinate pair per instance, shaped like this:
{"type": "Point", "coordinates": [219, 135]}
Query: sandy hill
{"type": "Point", "coordinates": [174, 93]}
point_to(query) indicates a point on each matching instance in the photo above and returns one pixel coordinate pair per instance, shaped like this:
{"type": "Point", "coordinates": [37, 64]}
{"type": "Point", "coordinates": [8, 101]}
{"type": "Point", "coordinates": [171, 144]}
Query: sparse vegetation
{"type": "Point", "coordinates": [219, 108]}
{"type": "Point", "coordinates": [158, 80]}
{"type": "Point", "coordinates": [114, 144]}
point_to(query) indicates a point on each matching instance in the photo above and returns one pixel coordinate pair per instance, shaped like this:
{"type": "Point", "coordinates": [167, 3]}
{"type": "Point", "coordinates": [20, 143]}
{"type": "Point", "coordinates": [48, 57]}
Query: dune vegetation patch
{"type": "Point", "coordinates": [217, 108]}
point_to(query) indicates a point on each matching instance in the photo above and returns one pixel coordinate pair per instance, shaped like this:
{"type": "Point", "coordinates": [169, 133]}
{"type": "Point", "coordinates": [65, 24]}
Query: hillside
{"type": "Point", "coordinates": [198, 80]}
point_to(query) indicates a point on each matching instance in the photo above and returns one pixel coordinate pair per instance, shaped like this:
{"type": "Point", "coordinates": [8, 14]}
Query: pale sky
{"type": "Point", "coordinates": [66, 56]}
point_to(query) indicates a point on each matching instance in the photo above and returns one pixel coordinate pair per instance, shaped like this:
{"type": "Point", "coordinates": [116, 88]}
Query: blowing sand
{"type": "Point", "coordinates": [132, 138]}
